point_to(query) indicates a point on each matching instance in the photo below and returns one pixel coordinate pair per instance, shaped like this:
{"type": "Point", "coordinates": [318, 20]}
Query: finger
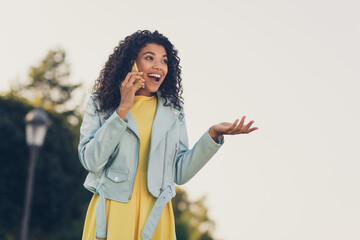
{"type": "Point", "coordinates": [238, 127]}
{"type": "Point", "coordinates": [128, 77]}
{"type": "Point", "coordinates": [243, 132]}
{"type": "Point", "coordinates": [135, 75]}
{"type": "Point", "coordinates": [137, 86]}
{"type": "Point", "coordinates": [233, 126]}
{"type": "Point", "coordinates": [246, 128]}
{"type": "Point", "coordinates": [126, 80]}
{"type": "Point", "coordinates": [134, 79]}
{"type": "Point", "coordinates": [241, 122]}
{"type": "Point", "coordinates": [252, 129]}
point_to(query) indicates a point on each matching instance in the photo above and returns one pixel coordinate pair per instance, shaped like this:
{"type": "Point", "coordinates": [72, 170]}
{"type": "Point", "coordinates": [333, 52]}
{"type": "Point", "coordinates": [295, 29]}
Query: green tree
{"type": "Point", "coordinates": [59, 199]}
{"type": "Point", "coordinates": [48, 84]}
{"type": "Point", "coordinates": [191, 218]}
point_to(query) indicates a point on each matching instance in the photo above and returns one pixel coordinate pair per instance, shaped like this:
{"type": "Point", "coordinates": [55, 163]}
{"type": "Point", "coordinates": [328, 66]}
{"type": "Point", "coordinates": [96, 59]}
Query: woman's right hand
{"type": "Point", "coordinates": [132, 82]}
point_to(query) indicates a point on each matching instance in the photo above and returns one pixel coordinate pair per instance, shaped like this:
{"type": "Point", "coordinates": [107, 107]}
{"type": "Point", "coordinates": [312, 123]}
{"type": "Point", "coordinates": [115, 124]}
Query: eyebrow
{"type": "Point", "coordinates": [152, 53]}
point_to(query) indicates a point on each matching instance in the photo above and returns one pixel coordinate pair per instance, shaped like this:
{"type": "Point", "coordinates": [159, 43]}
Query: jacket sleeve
{"type": "Point", "coordinates": [98, 141]}
{"type": "Point", "coordinates": [190, 161]}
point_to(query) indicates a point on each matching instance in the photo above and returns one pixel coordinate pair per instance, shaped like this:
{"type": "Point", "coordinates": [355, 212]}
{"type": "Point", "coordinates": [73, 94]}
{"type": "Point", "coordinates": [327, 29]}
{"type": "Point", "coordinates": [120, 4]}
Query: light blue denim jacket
{"type": "Point", "coordinates": [109, 151]}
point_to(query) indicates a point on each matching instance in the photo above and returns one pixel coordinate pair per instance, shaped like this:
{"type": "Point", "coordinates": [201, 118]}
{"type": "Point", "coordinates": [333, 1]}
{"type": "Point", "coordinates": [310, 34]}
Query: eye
{"type": "Point", "coordinates": [149, 58]}
{"type": "Point", "coordinates": [165, 61]}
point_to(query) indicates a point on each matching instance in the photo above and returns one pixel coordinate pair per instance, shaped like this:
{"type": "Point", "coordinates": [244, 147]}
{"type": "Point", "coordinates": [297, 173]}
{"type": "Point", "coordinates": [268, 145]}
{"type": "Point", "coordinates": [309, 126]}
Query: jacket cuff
{"type": "Point", "coordinates": [219, 141]}
{"type": "Point", "coordinates": [115, 117]}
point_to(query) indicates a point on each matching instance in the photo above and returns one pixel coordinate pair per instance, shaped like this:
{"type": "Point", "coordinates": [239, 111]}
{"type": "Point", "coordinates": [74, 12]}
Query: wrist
{"type": "Point", "coordinates": [122, 111]}
{"type": "Point", "coordinates": [213, 134]}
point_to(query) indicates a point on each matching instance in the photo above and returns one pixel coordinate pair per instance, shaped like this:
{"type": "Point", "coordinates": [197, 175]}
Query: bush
{"type": "Point", "coordinates": [59, 199]}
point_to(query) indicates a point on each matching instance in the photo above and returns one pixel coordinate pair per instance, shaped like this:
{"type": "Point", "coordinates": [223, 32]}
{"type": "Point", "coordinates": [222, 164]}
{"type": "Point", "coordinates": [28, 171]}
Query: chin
{"type": "Point", "coordinates": [153, 90]}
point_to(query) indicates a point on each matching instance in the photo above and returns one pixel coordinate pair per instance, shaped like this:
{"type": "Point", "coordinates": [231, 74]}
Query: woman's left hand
{"type": "Point", "coordinates": [227, 128]}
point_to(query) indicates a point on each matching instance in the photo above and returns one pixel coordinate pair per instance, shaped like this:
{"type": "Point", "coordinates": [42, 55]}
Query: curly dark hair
{"type": "Point", "coordinates": [120, 63]}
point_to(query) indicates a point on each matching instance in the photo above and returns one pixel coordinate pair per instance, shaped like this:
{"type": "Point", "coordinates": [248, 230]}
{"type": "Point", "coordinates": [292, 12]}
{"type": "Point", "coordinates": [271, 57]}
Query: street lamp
{"type": "Point", "coordinates": [36, 126]}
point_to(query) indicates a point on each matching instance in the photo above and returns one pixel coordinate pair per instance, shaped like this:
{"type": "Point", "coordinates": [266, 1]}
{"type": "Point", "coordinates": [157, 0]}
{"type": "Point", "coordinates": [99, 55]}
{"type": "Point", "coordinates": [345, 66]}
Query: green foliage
{"type": "Point", "coordinates": [191, 218]}
{"type": "Point", "coordinates": [48, 87]}
{"type": "Point", "coordinates": [59, 199]}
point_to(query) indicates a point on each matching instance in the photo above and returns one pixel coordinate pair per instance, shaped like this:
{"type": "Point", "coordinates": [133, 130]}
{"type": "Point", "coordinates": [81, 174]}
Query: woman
{"type": "Point", "coordinates": [133, 141]}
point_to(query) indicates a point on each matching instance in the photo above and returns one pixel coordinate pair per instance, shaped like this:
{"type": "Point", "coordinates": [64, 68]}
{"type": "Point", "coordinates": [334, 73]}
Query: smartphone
{"type": "Point", "coordinates": [135, 67]}
{"type": "Point", "coordinates": [136, 70]}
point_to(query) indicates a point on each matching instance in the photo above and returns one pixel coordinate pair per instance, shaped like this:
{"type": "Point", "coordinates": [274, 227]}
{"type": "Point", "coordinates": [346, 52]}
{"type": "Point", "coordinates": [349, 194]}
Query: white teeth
{"type": "Point", "coordinates": [154, 75]}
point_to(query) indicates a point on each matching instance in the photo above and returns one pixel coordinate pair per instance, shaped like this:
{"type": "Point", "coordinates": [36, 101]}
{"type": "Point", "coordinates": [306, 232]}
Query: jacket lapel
{"type": "Point", "coordinates": [132, 124]}
{"type": "Point", "coordinates": [164, 118]}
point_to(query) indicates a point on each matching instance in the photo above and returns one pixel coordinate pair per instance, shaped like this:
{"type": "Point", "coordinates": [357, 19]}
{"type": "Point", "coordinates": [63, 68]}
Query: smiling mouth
{"type": "Point", "coordinates": [154, 76]}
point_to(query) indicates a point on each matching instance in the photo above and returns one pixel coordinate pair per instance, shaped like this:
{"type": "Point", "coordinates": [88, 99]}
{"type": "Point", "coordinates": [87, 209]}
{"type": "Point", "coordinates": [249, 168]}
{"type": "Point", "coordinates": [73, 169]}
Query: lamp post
{"type": "Point", "coordinates": [36, 126]}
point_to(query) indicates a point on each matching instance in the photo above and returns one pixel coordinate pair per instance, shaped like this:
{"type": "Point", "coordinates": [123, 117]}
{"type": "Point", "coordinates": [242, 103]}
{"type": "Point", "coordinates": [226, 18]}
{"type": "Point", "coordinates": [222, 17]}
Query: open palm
{"type": "Point", "coordinates": [226, 128]}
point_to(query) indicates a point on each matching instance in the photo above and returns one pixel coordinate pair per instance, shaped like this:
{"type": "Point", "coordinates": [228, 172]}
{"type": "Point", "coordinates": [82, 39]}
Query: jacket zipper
{"type": "Point", "coordinates": [103, 170]}
{"type": "Point", "coordinates": [99, 178]}
{"type": "Point", "coordinates": [163, 176]}
{"type": "Point", "coordinates": [135, 172]}
{"type": "Point", "coordinates": [107, 163]}
{"type": "Point", "coordinates": [174, 161]}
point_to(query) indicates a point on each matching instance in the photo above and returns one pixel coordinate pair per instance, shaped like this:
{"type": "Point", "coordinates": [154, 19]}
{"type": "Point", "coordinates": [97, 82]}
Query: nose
{"type": "Point", "coordinates": [157, 65]}
{"type": "Point", "coordinates": [157, 68]}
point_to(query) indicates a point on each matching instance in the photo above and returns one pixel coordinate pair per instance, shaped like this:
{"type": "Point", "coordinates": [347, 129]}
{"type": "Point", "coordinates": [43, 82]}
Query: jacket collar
{"type": "Point", "coordinates": [164, 118]}
{"type": "Point", "coordinates": [132, 124]}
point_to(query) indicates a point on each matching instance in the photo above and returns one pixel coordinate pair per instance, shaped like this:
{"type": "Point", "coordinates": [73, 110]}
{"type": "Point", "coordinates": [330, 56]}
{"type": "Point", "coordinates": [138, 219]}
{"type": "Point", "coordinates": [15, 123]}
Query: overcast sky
{"type": "Point", "coordinates": [291, 66]}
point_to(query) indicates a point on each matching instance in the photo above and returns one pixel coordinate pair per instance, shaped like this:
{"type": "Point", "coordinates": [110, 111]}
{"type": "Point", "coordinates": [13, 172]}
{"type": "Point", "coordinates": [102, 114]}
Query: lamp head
{"type": "Point", "coordinates": [37, 123]}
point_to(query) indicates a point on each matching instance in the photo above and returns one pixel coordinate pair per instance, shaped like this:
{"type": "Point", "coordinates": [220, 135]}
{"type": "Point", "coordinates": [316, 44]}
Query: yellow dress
{"type": "Point", "coordinates": [125, 221]}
